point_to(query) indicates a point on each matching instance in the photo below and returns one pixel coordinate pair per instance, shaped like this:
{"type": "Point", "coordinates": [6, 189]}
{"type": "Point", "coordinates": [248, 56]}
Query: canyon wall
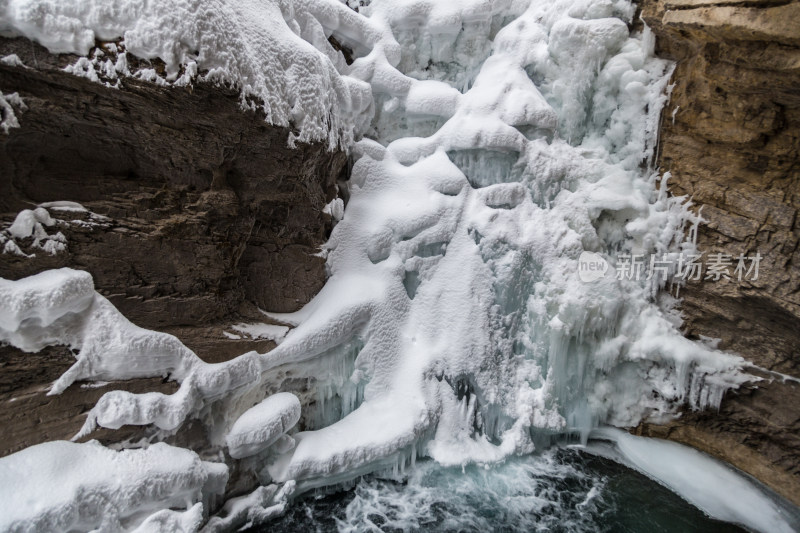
{"type": "Point", "coordinates": [202, 215]}
{"type": "Point", "coordinates": [730, 137]}
{"type": "Point", "coordinates": [198, 215]}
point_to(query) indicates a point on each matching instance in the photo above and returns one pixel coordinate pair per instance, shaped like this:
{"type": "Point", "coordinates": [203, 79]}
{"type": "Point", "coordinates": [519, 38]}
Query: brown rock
{"type": "Point", "coordinates": [210, 215]}
{"type": "Point", "coordinates": [208, 204]}
{"type": "Point", "coordinates": [730, 136]}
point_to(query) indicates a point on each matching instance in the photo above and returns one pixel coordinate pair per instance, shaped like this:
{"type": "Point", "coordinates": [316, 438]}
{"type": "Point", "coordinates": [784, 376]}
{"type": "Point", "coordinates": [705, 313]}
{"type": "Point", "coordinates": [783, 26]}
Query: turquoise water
{"type": "Point", "coordinates": [562, 490]}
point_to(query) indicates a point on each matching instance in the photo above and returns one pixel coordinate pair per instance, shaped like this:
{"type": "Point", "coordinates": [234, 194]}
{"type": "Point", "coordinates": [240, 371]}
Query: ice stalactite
{"type": "Point", "coordinates": [499, 141]}
{"type": "Point", "coordinates": [460, 246]}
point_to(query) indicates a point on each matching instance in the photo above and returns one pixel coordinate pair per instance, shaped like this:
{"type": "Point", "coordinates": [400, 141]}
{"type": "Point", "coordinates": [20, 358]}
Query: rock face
{"type": "Point", "coordinates": [730, 136]}
{"type": "Point", "coordinates": [201, 211]}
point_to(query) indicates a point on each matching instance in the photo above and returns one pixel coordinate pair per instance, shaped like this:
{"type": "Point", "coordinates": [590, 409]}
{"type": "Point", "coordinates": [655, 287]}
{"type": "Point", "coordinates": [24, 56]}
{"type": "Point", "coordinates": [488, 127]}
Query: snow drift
{"type": "Point", "coordinates": [82, 487]}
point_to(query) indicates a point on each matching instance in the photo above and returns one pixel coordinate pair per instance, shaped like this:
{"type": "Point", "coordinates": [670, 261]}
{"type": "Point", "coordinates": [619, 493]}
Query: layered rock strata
{"type": "Point", "coordinates": [730, 137]}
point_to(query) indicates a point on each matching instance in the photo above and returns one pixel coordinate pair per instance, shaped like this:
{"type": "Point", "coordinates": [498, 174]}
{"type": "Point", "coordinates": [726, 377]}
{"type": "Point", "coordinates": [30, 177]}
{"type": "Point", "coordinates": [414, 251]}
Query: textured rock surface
{"type": "Point", "coordinates": [209, 215]}
{"type": "Point", "coordinates": [730, 137]}
{"type": "Point", "coordinates": [208, 205]}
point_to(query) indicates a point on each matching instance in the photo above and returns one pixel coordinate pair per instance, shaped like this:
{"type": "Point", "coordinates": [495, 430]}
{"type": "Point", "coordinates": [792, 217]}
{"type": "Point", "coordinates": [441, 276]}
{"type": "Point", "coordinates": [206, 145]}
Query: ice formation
{"type": "Point", "coordinates": [711, 486]}
{"type": "Point", "coordinates": [263, 424]}
{"type": "Point", "coordinates": [83, 487]}
{"type": "Point", "coordinates": [499, 141]}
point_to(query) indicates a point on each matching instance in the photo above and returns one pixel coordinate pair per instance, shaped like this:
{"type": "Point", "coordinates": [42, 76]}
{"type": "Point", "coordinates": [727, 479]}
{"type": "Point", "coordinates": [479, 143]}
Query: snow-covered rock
{"type": "Point", "coordinates": [265, 49]}
{"type": "Point", "coordinates": [64, 486]}
{"type": "Point", "coordinates": [262, 425]}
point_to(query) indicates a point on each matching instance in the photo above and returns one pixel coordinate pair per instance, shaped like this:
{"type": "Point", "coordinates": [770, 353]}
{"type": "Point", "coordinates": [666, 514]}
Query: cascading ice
{"type": "Point", "coordinates": [506, 139]}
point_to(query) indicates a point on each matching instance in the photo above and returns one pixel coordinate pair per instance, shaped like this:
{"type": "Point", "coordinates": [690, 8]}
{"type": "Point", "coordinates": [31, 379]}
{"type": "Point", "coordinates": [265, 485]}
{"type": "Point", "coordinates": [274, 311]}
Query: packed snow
{"type": "Point", "coordinates": [263, 424]}
{"type": "Point", "coordinates": [63, 486]}
{"type": "Point", "coordinates": [494, 144]}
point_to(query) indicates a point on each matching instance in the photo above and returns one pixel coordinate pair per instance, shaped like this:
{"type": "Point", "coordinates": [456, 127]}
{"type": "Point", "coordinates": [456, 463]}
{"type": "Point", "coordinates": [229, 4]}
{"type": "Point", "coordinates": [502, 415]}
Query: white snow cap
{"type": "Point", "coordinates": [262, 425]}
{"type": "Point", "coordinates": [31, 224]}
{"type": "Point", "coordinates": [63, 486]}
{"type": "Point", "coordinates": [272, 50]}
{"type": "Point", "coordinates": [42, 299]}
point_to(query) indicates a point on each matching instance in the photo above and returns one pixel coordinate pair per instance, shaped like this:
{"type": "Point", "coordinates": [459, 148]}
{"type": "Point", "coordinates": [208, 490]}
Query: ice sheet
{"type": "Point", "coordinates": [712, 486]}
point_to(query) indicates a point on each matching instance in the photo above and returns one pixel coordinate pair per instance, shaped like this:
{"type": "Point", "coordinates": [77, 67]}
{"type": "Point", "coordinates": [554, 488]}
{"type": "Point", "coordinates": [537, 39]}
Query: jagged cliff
{"type": "Point", "coordinates": [199, 213]}
{"type": "Point", "coordinates": [730, 137]}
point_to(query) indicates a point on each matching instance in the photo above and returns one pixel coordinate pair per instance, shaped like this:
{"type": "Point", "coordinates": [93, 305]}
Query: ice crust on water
{"type": "Point", "coordinates": [63, 486]}
{"type": "Point", "coordinates": [503, 139]}
{"type": "Point", "coordinates": [713, 487]}
{"type": "Point", "coordinates": [263, 424]}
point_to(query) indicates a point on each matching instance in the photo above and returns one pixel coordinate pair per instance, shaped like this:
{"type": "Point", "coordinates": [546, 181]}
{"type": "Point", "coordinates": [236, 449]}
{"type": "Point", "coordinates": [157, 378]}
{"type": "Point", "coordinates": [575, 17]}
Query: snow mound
{"type": "Point", "coordinates": [63, 486]}
{"type": "Point", "coordinates": [8, 116]}
{"type": "Point", "coordinates": [60, 307]}
{"type": "Point", "coordinates": [262, 425]}
{"type": "Point", "coordinates": [28, 233]}
{"type": "Point", "coordinates": [38, 301]}
{"type": "Point", "coordinates": [31, 224]}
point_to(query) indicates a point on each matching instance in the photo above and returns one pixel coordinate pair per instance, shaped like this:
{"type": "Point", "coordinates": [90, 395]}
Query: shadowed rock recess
{"type": "Point", "coordinates": [210, 215]}
{"type": "Point", "coordinates": [730, 137]}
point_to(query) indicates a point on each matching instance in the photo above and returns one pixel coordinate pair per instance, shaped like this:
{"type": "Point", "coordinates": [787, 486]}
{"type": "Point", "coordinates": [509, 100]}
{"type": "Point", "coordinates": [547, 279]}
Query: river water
{"type": "Point", "coordinates": [563, 490]}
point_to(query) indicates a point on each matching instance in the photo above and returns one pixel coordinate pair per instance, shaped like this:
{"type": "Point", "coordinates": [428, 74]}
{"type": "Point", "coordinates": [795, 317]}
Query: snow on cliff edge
{"type": "Point", "coordinates": [264, 48]}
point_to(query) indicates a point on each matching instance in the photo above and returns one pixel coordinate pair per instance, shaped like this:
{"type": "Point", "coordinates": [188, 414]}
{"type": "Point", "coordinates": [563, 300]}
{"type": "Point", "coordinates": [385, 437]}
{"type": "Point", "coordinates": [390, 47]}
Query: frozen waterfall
{"type": "Point", "coordinates": [499, 142]}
